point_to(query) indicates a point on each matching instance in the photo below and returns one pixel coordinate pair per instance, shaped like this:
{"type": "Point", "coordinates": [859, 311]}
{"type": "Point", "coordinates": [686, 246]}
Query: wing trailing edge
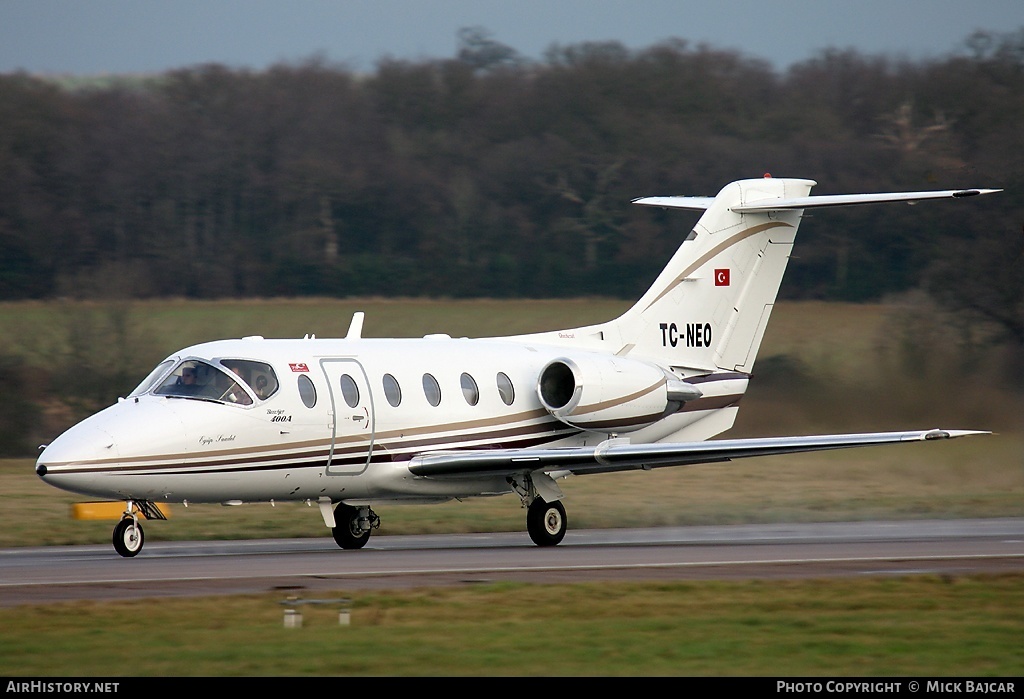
{"type": "Point", "coordinates": [619, 455]}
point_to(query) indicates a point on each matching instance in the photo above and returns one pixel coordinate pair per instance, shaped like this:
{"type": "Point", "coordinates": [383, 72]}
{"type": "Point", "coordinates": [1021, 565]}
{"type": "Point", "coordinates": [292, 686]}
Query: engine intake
{"type": "Point", "coordinates": [608, 394]}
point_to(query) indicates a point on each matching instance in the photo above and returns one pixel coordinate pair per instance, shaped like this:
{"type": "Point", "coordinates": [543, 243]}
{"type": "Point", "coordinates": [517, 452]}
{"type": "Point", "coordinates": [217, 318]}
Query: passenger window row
{"type": "Point", "coordinates": [393, 391]}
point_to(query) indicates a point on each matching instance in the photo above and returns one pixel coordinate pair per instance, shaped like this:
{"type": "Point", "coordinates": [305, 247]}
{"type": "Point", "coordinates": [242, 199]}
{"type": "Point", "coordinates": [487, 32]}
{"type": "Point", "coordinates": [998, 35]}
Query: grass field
{"type": "Point", "coordinates": [824, 368]}
{"type": "Point", "coordinates": [896, 627]}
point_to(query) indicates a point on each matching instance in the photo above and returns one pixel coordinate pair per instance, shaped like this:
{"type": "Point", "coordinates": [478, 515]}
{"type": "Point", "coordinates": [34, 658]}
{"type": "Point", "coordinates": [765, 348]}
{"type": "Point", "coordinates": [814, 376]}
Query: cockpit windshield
{"type": "Point", "coordinates": [149, 381]}
{"type": "Point", "coordinates": [194, 378]}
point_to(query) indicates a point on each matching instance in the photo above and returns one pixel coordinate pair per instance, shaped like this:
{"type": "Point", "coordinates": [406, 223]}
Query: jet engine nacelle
{"type": "Point", "coordinates": [607, 394]}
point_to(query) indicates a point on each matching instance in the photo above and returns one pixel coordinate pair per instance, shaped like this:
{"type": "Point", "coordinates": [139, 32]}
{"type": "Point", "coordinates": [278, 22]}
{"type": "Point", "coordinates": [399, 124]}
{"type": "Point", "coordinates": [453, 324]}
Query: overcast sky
{"type": "Point", "coordinates": [88, 37]}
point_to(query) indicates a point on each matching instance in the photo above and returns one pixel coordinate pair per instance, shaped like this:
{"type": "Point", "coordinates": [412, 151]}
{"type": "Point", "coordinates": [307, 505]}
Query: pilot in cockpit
{"type": "Point", "coordinates": [262, 389]}
{"type": "Point", "coordinates": [235, 393]}
{"type": "Point", "coordinates": [188, 385]}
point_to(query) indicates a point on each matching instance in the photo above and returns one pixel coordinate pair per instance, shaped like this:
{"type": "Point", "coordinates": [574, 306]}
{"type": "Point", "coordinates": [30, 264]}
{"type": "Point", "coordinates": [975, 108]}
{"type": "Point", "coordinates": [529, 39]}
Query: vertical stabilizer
{"type": "Point", "coordinates": [709, 307]}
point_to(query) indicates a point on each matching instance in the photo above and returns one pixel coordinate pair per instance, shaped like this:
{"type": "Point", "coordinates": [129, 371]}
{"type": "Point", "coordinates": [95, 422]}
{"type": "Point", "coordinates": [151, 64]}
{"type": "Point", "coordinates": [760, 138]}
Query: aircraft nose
{"type": "Point", "coordinates": [69, 461]}
{"type": "Point", "coordinates": [90, 457]}
{"type": "Point", "coordinates": [79, 444]}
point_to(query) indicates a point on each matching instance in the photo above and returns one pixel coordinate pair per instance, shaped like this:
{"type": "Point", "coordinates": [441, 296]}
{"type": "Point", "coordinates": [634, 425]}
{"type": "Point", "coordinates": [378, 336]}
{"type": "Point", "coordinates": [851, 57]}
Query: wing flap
{"type": "Point", "coordinates": [617, 455]}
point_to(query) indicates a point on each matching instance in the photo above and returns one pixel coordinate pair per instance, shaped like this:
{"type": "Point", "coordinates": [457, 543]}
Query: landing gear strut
{"type": "Point", "coordinates": [128, 535]}
{"type": "Point", "coordinates": [353, 525]}
{"type": "Point", "coordinates": [545, 519]}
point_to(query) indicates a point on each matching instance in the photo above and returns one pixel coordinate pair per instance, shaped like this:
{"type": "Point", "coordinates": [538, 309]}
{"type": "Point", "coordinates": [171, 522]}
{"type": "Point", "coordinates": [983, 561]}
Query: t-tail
{"type": "Point", "coordinates": [708, 309]}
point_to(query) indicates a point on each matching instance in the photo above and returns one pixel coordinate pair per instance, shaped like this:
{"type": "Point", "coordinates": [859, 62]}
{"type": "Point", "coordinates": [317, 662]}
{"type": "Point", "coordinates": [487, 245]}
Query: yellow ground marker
{"type": "Point", "coordinates": [106, 510]}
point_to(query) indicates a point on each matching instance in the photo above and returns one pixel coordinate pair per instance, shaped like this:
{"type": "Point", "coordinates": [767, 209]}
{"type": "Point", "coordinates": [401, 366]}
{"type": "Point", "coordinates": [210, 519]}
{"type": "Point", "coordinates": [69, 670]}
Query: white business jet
{"type": "Point", "coordinates": [356, 423]}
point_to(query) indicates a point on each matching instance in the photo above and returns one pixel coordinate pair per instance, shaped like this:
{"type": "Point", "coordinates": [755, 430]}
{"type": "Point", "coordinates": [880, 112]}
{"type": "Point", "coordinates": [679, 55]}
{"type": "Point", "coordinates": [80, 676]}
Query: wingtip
{"type": "Point", "coordinates": [951, 434]}
{"type": "Point", "coordinates": [960, 193]}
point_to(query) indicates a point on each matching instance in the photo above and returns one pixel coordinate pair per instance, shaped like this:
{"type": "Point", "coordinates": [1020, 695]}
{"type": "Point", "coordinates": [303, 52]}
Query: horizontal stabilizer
{"type": "Point", "coordinates": [854, 199]}
{"type": "Point", "coordinates": [767, 205]}
{"type": "Point", "coordinates": [692, 203]}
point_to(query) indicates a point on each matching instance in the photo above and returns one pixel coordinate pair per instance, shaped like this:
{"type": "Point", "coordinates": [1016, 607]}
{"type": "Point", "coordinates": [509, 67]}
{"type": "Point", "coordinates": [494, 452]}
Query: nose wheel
{"type": "Point", "coordinates": [128, 537]}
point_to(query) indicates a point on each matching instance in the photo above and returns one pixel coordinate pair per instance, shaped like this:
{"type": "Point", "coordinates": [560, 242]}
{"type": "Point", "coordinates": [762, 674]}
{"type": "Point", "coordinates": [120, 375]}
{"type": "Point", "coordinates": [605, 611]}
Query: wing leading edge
{"type": "Point", "coordinates": [619, 455]}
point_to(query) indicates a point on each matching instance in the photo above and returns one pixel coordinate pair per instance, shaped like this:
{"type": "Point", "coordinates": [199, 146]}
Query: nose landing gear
{"type": "Point", "coordinates": [128, 535]}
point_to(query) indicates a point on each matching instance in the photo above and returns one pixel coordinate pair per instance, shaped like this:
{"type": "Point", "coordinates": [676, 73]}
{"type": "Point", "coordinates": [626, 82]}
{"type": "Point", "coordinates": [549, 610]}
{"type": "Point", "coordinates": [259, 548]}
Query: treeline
{"type": "Point", "coordinates": [490, 175]}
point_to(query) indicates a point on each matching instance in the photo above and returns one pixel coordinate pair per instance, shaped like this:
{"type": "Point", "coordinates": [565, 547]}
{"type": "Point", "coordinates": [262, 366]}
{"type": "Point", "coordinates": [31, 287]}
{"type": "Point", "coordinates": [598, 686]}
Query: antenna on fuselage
{"type": "Point", "coordinates": [355, 328]}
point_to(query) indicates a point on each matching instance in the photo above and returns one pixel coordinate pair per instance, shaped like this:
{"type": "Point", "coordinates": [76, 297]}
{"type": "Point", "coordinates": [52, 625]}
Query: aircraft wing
{"type": "Point", "coordinates": [619, 455]}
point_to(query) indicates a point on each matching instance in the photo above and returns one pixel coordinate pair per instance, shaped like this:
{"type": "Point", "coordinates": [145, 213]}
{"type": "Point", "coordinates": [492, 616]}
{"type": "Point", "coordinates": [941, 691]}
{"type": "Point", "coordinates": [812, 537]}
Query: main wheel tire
{"type": "Point", "coordinates": [128, 537]}
{"type": "Point", "coordinates": [347, 532]}
{"type": "Point", "coordinates": [546, 522]}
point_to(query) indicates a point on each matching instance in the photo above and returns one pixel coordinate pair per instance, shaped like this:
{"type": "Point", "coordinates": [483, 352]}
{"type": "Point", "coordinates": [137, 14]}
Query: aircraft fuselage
{"type": "Point", "coordinates": [336, 442]}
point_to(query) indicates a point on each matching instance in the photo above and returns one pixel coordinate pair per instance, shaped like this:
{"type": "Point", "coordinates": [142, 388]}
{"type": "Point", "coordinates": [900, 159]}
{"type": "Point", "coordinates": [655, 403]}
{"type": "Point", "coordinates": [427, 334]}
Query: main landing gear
{"type": "Point", "coordinates": [546, 522]}
{"type": "Point", "coordinates": [128, 535]}
{"type": "Point", "coordinates": [353, 525]}
{"type": "Point", "coordinates": [545, 517]}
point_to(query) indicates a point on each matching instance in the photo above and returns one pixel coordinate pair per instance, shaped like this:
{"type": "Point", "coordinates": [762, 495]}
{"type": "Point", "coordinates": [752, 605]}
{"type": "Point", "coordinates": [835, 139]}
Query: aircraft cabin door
{"type": "Point", "coordinates": [351, 419]}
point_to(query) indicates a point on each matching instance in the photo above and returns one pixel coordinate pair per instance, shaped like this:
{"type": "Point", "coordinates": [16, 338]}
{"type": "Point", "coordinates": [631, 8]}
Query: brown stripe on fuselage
{"type": "Point", "coordinates": [613, 402]}
{"type": "Point", "coordinates": [711, 403]}
{"type": "Point", "coordinates": [620, 423]}
{"type": "Point", "coordinates": [322, 443]}
{"type": "Point", "coordinates": [392, 441]}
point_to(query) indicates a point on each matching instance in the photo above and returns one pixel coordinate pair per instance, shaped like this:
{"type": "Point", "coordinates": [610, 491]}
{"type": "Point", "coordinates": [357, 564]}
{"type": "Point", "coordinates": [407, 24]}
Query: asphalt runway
{"type": "Point", "coordinates": [308, 567]}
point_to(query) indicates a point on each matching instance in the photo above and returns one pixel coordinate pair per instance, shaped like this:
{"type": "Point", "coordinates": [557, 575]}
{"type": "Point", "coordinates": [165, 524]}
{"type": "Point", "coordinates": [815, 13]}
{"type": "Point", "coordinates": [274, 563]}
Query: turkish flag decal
{"type": "Point", "coordinates": [721, 277]}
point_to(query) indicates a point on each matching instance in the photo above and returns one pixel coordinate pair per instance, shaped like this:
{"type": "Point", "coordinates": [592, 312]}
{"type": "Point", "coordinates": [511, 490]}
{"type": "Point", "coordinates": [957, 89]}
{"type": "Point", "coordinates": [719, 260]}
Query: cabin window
{"type": "Point", "coordinates": [469, 389]}
{"type": "Point", "coordinates": [392, 391]}
{"type": "Point", "coordinates": [349, 390]}
{"type": "Point", "coordinates": [307, 391]}
{"type": "Point", "coordinates": [154, 376]}
{"type": "Point", "coordinates": [197, 379]}
{"type": "Point", "coordinates": [259, 376]}
{"type": "Point", "coordinates": [432, 390]}
{"type": "Point", "coordinates": [505, 390]}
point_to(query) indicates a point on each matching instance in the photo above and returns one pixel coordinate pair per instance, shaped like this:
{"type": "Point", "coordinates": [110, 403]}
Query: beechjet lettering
{"type": "Point", "coordinates": [355, 423]}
